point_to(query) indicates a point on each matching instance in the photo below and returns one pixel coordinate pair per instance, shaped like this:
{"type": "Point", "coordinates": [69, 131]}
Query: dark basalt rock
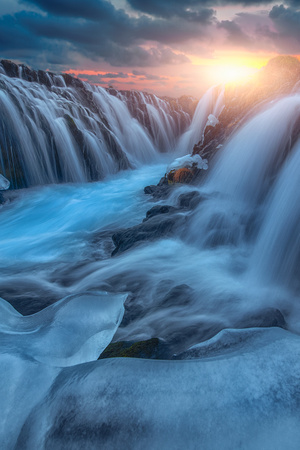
{"type": "Point", "coordinates": [158, 192]}
{"type": "Point", "coordinates": [156, 210]}
{"type": "Point", "coordinates": [160, 221]}
{"type": "Point", "coordinates": [190, 200]}
{"type": "Point", "coordinates": [29, 74]}
{"type": "Point", "coordinates": [72, 81]}
{"type": "Point", "coordinates": [154, 228]}
{"type": "Point", "coordinates": [11, 69]}
{"type": "Point", "coordinates": [44, 78]}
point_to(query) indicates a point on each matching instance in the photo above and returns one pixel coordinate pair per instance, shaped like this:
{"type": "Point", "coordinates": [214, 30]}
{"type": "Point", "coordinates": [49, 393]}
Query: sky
{"type": "Point", "coordinates": [169, 47]}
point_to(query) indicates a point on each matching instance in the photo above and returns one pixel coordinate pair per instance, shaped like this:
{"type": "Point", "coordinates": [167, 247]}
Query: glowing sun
{"type": "Point", "coordinates": [232, 73]}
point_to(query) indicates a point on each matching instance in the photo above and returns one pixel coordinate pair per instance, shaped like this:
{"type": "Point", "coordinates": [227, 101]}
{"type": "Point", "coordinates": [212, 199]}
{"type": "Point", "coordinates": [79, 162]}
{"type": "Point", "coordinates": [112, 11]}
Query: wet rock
{"type": "Point", "coordinates": [161, 221]}
{"type": "Point", "coordinates": [183, 175]}
{"type": "Point", "coordinates": [157, 210]}
{"type": "Point", "coordinates": [163, 181]}
{"type": "Point", "coordinates": [150, 349]}
{"type": "Point", "coordinates": [72, 81]}
{"type": "Point", "coordinates": [158, 192]}
{"type": "Point", "coordinates": [28, 74]}
{"type": "Point", "coordinates": [11, 69]}
{"type": "Point", "coordinates": [154, 228]}
{"type": "Point", "coordinates": [190, 200]}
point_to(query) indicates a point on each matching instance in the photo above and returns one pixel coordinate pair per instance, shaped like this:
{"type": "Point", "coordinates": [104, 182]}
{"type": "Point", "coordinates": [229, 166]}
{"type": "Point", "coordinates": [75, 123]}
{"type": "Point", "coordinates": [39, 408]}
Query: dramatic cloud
{"type": "Point", "coordinates": [235, 34]}
{"type": "Point", "coordinates": [167, 8]}
{"type": "Point", "coordinates": [286, 20]}
{"type": "Point", "coordinates": [102, 31]}
{"type": "Point", "coordinates": [59, 34]}
{"type": "Point", "coordinates": [90, 9]}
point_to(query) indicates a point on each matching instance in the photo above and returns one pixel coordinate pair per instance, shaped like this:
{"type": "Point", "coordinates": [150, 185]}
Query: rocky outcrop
{"type": "Point", "coordinates": [159, 226]}
{"type": "Point", "coordinates": [161, 221]}
{"type": "Point", "coordinates": [182, 175]}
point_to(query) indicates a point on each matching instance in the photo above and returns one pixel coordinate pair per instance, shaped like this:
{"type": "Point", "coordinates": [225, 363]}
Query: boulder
{"type": "Point", "coordinates": [159, 209]}
{"type": "Point", "coordinates": [158, 192]}
{"type": "Point", "coordinates": [182, 176]}
{"type": "Point", "coordinates": [161, 225]}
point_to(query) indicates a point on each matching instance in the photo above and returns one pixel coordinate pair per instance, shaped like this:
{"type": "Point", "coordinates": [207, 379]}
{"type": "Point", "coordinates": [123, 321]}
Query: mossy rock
{"type": "Point", "coordinates": [149, 349]}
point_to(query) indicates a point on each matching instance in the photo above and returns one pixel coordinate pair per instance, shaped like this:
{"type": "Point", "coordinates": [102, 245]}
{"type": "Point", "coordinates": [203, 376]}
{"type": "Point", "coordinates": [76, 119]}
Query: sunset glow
{"type": "Point", "coordinates": [166, 47]}
{"type": "Point", "coordinates": [230, 73]}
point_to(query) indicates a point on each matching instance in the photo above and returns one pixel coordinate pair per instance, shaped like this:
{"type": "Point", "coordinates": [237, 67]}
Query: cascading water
{"type": "Point", "coordinates": [165, 120]}
{"type": "Point", "coordinates": [276, 255]}
{"type": "Point", "coordinates": [243, 173]}
{"type": "Point", "coordinates": [54, 133]}
{"type": "Point", "coordinates": [212, 102]}
{"type": "Point", "coordinates": [252, 158]}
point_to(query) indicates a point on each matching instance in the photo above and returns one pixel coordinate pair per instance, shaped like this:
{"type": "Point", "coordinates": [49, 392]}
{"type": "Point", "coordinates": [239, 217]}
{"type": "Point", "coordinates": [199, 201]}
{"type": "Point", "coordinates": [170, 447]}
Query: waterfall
{"type": "Point", "coordinates": [249, 171]}
{"type": "Point", "coordinates": [212, 102]}
{"type": "Point", "coordinates": [59, 129]}
{"type": "Point", "coordinates": [165, 119]}
{"type": "Point", "coordinates": [276, 255]}
{"type": "Point", "coordinates": [247, 165]}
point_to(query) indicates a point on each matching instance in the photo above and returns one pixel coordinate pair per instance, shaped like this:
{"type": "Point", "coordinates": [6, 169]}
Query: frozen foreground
{"type": "Point", "coordinates": [238, 390]}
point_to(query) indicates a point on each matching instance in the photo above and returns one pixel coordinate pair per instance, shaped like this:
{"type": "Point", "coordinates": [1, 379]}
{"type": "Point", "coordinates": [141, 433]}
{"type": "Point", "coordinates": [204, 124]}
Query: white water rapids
{"type": "Point", "coordinates": [233, 263]}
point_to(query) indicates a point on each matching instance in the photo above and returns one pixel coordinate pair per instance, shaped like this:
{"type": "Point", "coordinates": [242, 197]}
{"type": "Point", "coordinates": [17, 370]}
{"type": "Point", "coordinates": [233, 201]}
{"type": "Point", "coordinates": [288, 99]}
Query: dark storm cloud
{"type": "Point", "coordinates": [89, 9]}
{"type": "Point", "coordinates": [94, 9]}
{"type": "Point", "coordinates": [167, 8]}
{"type": "Point", "coordinates": [235, 33]}
{"type": "Point", "coordinates": [138, 56]}
{"type": "Point", "coordinates": [287, 21]}
{"type": "Point", "coordinates": [18, 42]}
{"type": "Point", "coordinates": [104, 32]}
